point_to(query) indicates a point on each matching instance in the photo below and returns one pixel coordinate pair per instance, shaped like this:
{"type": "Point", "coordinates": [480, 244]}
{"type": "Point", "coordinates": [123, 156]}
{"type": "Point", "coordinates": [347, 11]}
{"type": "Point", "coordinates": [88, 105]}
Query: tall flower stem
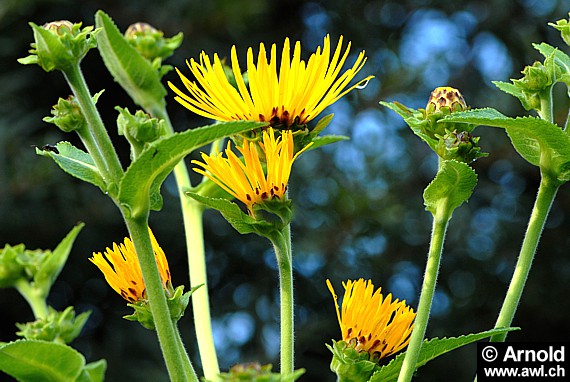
{"type": "Point", "coordinates": [282, 246]}
{"type": "Point", "coordinates": [102, 149]}
{"type": "Point", "coordinates": [546, 194]}
{"type": "Point", "coordinates": [176, 361]}
{"type": "Point", "coordinates": [440, 222]}
{"type": "Point", "coordinates": [192, 216]}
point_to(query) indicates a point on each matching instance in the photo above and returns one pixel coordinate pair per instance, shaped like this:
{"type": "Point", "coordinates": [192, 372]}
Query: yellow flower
{"type": "Point", "coordinates": [123, 272]}
{"type": "Point", "coordinates": [370, 322]}
{"type": "Point", "coordinates": [294, 95]}
{"type": "Point", "coordinates": [246, 181]}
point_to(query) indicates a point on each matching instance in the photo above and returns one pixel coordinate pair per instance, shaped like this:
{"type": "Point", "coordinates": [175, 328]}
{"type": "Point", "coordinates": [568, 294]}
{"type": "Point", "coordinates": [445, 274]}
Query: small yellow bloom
{"type": "Point", "coordinates": [294, 95]}
{"type": "Point", "coordinates": [123, 272]}
{"type": "Point", "coordinates": [245, 180]}
{"type": "Point", "coordinates": [370, 322]}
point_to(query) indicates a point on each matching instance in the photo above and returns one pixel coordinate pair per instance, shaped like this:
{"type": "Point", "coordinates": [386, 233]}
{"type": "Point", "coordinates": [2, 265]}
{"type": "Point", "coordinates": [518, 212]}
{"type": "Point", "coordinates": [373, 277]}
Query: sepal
{"type": "Point", "coordinates": [62, 327]}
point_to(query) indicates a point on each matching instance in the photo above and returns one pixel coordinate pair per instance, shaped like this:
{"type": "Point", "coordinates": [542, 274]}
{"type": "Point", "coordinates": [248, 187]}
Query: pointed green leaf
{"type": "Point", "coordinates": [148, 171]}
{"type": "Point", "coordinates": [414, 119]}
{"type": "Point", "coordinates": [93, 372]}
{"type": "Point", "coordinates": [75, 162]}
{"type": "Point", "coordinates": [540, 142]}
{"type": "Point", "coordinates": [561, 58]}
{"type": "Point", "coordinates": [242, 222]}
{"type": "Point", "coordinates": [510, 88]}
{"type": "Point", "coordinates": [453, 185]}
{"type": "Point", "coordinates": [40, 361]}
{"type": "Point", "coordinates": [321, 125]}
{"type": "Point", "coordinates": [327, 140]}
{"type": "Point", "coordinates": [431, 349]}
{"type": "Point", "coordinates": [132, 71]}
{"type": "Point", "coordinates": [52, 266]}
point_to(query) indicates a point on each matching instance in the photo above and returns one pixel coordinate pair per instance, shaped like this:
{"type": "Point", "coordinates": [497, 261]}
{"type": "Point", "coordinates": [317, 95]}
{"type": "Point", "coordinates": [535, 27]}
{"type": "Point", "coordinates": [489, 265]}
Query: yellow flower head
{"type": "Point", "coordinates": [245, 180]}
{"type": "Point", "coordinates": [295, 94]}
{"type": "Point", "coordinates": [123, 272]}
{"type": "Point", "coordinates": [371, 323]}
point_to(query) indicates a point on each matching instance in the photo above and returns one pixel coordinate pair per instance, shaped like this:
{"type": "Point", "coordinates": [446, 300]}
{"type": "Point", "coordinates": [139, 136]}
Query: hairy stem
{"type": "Point", "coordinates": [440, 222]}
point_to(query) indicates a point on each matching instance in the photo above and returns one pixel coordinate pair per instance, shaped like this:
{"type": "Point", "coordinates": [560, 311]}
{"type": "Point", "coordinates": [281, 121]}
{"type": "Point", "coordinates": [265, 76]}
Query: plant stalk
{"type": "Point", "coordinates": [440, 223]}
{"type": "Point", "coordinates": [104, 151]}
{"type": "Point", "coordinates": [546, 194]}
{"type": "Point", "coordinates": [176, 361]}
{"type": "Point", "coordinates": [35, 299]}
{"type": "Point", "coordinates": [282, 246]}
{"type": "Point", "coordinates": [192, 217]}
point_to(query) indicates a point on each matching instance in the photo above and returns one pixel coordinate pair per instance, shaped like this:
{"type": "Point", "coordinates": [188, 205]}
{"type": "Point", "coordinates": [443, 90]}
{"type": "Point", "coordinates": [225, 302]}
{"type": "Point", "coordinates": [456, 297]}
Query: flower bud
{"type": "Point", "coordinates": [150, 42]}
{"type": "Point", "coordinates": [445, 97]}
{"type": "Point", "coordinates": [564, 27]}
{"type": "Point", "coordinates": [350, 364]}
{"type": "Point", "coordinates": [177, 303]}
{"type": "Point", "coordinates": [67, 115]}
{"type": "Point", "coordinates": [59, 45]}
{"type": "Point", "coordinates": [256, 372]}
{"type": "Point", "coordinates": [442, 102]}
{"type": "Point", "coordinates": [11, 269]}
{"type": "Point", "coordinates": [140, 129]}
{"type": "Point", "coordinates": [61, 327]}
{"type": "Point", "coordinates": [462, 147]}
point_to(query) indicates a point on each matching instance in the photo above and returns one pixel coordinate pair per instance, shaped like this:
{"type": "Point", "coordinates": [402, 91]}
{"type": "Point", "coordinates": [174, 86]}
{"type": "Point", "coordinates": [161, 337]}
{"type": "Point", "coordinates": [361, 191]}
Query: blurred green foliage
{"type": "Point", "coordinates": [359, 209]}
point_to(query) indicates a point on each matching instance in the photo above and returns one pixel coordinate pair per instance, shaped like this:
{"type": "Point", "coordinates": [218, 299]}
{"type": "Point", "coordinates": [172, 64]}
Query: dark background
{"type": "Point", "coordinates": [359, 207]}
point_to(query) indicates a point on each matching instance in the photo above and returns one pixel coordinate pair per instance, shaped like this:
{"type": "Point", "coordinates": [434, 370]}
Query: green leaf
{"type": "Point", "coordinates": [242, 222]}
{"type": "Point", "coordinates": [320, 126]}
{"type": "Point", "coordinates": [561, 58]}
{"type": "Point", "coordinates": [453, 185]}
{"type": "Point", "coordinates": [38, 361]}
{"type": "Point", "coordinates": [75, 162]}
{"type": "Point", "coordinates": [142, 180]}
{"type": "Point", "coordinates": [52, 266]}
{"type": "Point", "coordinates": [414, 118]}
{"type": "Point", "coordinates": [510, 88]}
{"type": "Point", "coordinates": [431, 349]}
{"type": "Point", "coordinates": [327, 140]}
{"type": "Point", "coordinates": [540, 142]}
{"type": "Point", "coordinates": [131, 70]}
{"type": "Point", "coordinates": [93, 372]}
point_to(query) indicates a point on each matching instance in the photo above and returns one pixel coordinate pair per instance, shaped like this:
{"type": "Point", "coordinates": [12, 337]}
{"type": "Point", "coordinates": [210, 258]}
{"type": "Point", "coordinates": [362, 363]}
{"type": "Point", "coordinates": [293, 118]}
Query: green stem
{"type": "Point", "coordinates": [546, 105]}
{"type": "Point", "coordinates": [189, 369]}
{"type": "Point", "coordinates": [440, 222]}
{"type": "Point", "coordinates": [112, 169]}
{"type": "Point", "coordinates": [35, 298]}
{"type": "Point", "coordinates": [176, 363]}
{"type": "Point", "coordinates": [282, 246]}
{"type": "Point", "coordinates": [546, 194]}
{"type": "Point", "coordinates": [192, 216]}
{"type": "Point", "coordinates": [192, 213]}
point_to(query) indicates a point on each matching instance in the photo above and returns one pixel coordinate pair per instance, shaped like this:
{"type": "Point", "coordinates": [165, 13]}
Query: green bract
{"type": "Point", "coordinates": [60, 45]}
{"type": "Point", "coordinates": [140, 129]}
{"type": "Point", "coordinates": [564, 27]}
{"type": "Point", "coordinates": [62, 327]}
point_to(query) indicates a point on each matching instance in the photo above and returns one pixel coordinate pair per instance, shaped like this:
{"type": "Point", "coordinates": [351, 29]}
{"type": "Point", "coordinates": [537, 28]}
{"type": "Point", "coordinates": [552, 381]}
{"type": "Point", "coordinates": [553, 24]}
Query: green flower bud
{"type": "Point", "coordinates": [564, 27]}
{"type": "Point", "coordinates": [67, 114]}
{"type": "Point", "coordinates": [536, 82]}
{"type": "Point", "coordinates": [349, 364]}
{"type": "Point", "coordinates": [11, 269]}
{"type": "Point", "coordinates": [177, 303]}
{"type": "Point", "coordinates": [59, 45]}
{"type": "Point", "coordinates": [152, 44]}
{"type": "Point", "coordinates": [140, 129]}
{"type": "Point", "coordinates": [255, 372]}
{"type": "Point", "coordinates": [459, 146]}
{"type": "Point", "coordinates": [62, 327]}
